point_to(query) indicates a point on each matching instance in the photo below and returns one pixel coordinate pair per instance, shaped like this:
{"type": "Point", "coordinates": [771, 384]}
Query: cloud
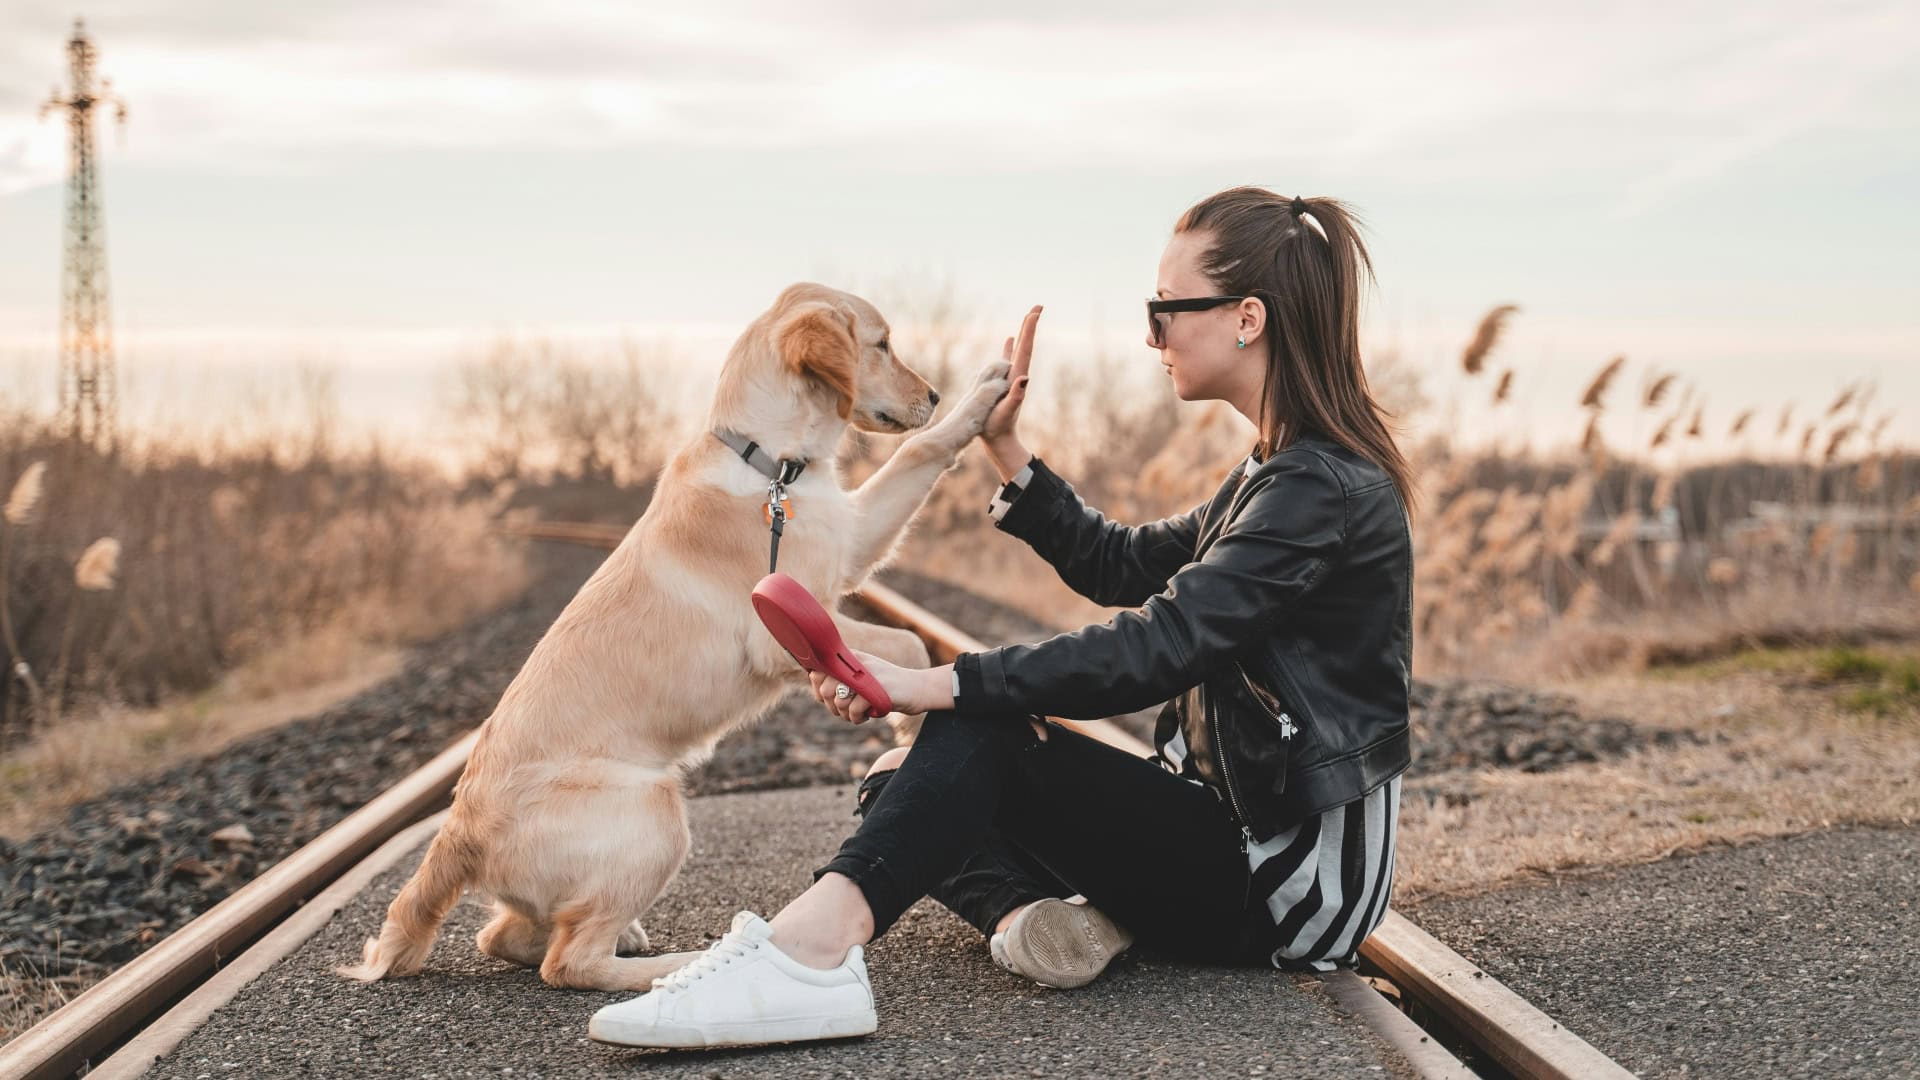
{"type": "Point", "coordinates": [1790, 82]}
{"type": "Point", "coordinates": [1514, 91]}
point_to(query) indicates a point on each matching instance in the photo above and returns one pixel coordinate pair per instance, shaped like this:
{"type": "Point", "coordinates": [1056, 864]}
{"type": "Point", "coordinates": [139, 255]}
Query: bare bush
{"type": "Point", "coordinates": [148, 574]}
{"type": "Point", "coordinates": [540, 409]}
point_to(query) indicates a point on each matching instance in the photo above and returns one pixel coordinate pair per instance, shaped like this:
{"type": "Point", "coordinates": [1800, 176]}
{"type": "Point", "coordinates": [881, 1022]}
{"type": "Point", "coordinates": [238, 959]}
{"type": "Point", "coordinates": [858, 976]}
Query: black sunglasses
{"type": "Point", "coordinates": [1160, 313]}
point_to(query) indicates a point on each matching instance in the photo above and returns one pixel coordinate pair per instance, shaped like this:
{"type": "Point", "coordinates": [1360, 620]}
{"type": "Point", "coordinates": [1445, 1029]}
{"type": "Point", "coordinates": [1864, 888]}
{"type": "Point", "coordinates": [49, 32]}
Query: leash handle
{"type": "Point", "coordinates": [802, 627]}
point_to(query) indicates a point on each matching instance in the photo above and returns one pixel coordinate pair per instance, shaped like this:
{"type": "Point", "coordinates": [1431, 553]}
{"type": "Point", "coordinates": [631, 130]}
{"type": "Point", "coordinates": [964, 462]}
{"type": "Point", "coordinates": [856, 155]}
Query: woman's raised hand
{"type": "Point", "coordinates": [1019, 353]}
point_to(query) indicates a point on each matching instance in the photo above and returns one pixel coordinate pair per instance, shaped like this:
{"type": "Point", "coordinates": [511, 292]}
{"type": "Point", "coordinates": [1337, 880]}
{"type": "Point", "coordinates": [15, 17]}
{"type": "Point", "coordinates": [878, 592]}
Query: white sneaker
{"type": "Point", "coordinates": [1059, 943]}
{"type": "Point", "coordinates": [741, 992]}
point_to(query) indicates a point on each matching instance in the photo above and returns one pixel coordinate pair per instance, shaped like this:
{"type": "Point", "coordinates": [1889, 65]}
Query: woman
{"type": "Point", "coordinates": [1274, 620]}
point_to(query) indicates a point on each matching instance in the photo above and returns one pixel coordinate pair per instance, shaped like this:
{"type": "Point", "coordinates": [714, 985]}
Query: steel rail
{"type": "Point", "coordinates": [103, 1014]}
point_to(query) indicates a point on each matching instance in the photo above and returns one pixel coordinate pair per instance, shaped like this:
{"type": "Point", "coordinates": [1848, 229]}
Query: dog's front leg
{"type": "Point", "coordinates": [895, 646]}
{"type": "Point", "coordinates": [894, 494]}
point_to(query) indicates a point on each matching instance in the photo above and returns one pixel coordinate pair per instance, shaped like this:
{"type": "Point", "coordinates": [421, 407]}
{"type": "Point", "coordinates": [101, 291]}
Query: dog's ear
{"type": "Point", "coordinates": [816, 339]}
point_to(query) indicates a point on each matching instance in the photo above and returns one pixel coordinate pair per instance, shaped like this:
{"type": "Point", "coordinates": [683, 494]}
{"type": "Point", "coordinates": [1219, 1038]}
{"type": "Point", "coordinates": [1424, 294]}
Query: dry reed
{"type": "Point", "coordinates": [1485, 336]}
{"type": "Point", "coordinates": [1595, 394]}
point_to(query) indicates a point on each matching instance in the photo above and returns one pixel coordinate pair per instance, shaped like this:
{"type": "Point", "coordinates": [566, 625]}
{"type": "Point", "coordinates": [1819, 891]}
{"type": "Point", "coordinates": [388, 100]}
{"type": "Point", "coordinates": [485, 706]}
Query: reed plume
{"type": "Point", "coordinates": [1505, 385]}
{"type": "Point", "coordinates": [1839, 437]}
{"type": "Point", "coordinates": [21, 504]}
{"type": "Point", "coordinates": [1740, 422]}
{"type": "Point", "coordinates": [1657, 390]}
{"type": "Point", "coordinates": [1565, 508]}
{"type": "Point", "coordinates": [1618, 533]}
{"type": "Point", "coordinates": [26, 494]}
{"type": "Point", "coordinates": [1484, 337]}
{"type": "Point", "coordinates": [1591, 438]}
{"type": "Point", "coordinates": [1597, 389]}
{"type": "Point", "coordinates": [1660, 436]}
{"type": "Point", "coordinates": [1841, 402]}
{"type": "Point", "coordinates": [1585, 603]}
{"type": "Point", "coordinates": [93, 572]}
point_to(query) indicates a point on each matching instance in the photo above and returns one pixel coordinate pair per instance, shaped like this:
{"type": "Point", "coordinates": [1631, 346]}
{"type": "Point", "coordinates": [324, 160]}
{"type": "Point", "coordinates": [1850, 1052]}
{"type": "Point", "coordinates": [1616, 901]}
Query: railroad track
{"type": "Point", "coordinates": [145, 1007]}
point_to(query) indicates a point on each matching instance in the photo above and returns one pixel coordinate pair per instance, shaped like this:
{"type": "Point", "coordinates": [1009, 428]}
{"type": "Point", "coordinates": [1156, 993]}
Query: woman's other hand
{"type": "Point", "coordinates": [1002, 440]}
{"type": "Point", "coordinates": [913, 690]}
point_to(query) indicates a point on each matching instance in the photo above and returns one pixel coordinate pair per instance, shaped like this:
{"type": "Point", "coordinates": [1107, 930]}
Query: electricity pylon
{"type": "Point", "coordinates": [87, 389]}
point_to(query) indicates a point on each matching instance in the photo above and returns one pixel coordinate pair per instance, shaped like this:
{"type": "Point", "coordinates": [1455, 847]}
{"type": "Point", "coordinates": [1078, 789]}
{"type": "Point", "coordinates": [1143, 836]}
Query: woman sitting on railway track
{"type": "Point", "coordinates": [1274, 621]}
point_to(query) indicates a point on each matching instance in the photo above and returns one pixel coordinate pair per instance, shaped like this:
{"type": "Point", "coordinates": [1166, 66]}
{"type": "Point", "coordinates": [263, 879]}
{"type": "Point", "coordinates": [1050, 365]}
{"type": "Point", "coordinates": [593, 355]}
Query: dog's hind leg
{"type": "Point", "coordinates": [589, 930]}
{"type": "Point", "coordinates": [580, 955]}
{"type": "Point", "coordinates": [513, 937]}
{"type": "Point", "coordinates": [632, 940]}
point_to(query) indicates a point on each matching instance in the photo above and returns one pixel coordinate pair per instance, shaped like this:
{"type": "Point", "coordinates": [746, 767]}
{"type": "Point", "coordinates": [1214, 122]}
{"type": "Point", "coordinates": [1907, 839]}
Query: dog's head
{"type": "Point", "coordinates": [838, 343]}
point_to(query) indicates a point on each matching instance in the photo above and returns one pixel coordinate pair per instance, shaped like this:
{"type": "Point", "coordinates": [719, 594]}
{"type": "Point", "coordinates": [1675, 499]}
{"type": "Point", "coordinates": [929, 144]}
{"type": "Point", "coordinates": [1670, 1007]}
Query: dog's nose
{"type": "Point", "coordinates": [933, 396]}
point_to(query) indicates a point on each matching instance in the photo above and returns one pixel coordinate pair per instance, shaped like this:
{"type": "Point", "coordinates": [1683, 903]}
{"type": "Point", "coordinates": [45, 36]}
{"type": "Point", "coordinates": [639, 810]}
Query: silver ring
{"type": "Point", "coordinates": [843, 693]}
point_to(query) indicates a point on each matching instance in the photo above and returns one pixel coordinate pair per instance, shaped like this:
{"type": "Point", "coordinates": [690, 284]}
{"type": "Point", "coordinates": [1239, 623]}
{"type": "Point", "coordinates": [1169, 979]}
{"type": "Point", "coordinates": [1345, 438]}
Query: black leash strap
{"type": "Point", "coordinates": [779, 474]}
{"type": "Point", "coordinates": [777, 509]}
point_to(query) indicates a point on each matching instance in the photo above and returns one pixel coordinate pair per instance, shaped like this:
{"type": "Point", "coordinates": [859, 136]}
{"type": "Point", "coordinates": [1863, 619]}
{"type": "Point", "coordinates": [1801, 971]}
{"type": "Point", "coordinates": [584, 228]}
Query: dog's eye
{"type": "Point", "coordinates": [883, 346]}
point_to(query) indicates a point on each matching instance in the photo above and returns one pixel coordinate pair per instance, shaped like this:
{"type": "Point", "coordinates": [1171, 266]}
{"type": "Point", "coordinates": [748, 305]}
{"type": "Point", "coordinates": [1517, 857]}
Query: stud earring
{"type": "Point", "coordinates": [1240, 343]}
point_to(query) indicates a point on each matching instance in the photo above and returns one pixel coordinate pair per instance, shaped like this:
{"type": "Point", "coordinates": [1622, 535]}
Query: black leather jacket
{"type": "Point", "coordinates": [1281, 607]}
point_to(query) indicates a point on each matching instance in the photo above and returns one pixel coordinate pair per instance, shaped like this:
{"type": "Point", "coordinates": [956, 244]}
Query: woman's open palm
{"type": "Point", "coordinates": [1019, 353]}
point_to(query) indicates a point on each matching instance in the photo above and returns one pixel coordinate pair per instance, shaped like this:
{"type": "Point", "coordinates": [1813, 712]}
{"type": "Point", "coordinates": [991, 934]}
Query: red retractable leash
{"type": "Point", "coordinates": [804, 629]}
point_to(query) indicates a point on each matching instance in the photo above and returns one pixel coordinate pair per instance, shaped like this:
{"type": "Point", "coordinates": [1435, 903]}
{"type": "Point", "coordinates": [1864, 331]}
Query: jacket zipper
{"type": "Point", "coordinates": [1263, 699]}
{"type": "Point", "coordinates": [1226, 774]}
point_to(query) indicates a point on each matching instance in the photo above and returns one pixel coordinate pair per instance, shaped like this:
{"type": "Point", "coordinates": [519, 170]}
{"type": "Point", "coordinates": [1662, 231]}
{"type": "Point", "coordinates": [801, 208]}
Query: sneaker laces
{"type": "Point", "coordinates": [718, 955]}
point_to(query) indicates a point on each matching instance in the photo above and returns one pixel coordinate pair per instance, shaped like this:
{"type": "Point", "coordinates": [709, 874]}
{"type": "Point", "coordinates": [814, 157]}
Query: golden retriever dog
{"type": "Point", "coordinates": [570, 815]}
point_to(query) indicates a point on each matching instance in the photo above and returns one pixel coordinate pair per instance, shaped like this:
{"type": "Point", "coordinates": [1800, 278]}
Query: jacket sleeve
{"type": "Point", "coordinates": [1289, 531]}
{"type": "Point", "coordinates": [1106, 562]}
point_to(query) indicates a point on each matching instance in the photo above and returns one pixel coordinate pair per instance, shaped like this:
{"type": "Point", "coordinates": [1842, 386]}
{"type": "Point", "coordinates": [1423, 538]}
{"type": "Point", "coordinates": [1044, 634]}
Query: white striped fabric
{"type": "Point", "coordinates": [1325, 880]}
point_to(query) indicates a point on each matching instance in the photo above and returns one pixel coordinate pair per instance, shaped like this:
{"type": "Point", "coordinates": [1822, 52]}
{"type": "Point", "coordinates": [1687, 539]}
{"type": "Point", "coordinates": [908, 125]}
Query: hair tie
{"type": "Point", "coordinates": [1299, 206]}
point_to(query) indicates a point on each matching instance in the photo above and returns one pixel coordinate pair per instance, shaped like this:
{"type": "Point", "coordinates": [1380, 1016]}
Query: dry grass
{"type": "Point", "coordinates": [130, 582]}
{"type": "Point", "coordinates": [26, 997]}
{"type": "Point", "coordinates": [203, 585]}
{"type": "Point", "coordinates": [1795, 750]}
{"type": "Point", "coordinates": [160, 604]}
{"type": "Point", "coordinates": [91, 754]}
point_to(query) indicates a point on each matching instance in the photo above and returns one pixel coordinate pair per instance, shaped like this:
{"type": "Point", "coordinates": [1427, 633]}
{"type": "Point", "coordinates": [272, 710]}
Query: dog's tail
{"type": "Point", "coordinates": [415, 915]}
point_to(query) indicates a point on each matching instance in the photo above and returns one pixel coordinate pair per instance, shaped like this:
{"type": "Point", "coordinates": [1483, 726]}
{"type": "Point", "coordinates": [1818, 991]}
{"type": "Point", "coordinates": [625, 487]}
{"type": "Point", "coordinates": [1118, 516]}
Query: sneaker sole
{"type": "Point", "coordinates": [1063, 945]}
{"type": "Point", "coordinates": [758, 1033]}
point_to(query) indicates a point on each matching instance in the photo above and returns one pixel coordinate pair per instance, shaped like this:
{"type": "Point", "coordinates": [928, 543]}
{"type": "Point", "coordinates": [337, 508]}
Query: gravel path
{"type": "Point", "coordinates": [945, 1008]}
{"type": "Point", "coordinates": [1784, 958]}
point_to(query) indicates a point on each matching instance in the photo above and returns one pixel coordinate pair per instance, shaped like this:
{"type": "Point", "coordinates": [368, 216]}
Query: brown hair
{"type": "Point", "coordinates": [1264, 246]}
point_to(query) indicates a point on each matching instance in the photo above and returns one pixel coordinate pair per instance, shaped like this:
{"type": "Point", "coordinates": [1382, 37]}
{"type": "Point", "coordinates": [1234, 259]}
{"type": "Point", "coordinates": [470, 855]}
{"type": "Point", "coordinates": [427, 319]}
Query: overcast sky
{"type": "Point", "coordinates": [1726, 189]}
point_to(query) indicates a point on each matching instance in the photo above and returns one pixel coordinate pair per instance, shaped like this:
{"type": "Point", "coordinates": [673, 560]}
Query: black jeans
{"type": "Point", "coordinates": [984, 816]}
